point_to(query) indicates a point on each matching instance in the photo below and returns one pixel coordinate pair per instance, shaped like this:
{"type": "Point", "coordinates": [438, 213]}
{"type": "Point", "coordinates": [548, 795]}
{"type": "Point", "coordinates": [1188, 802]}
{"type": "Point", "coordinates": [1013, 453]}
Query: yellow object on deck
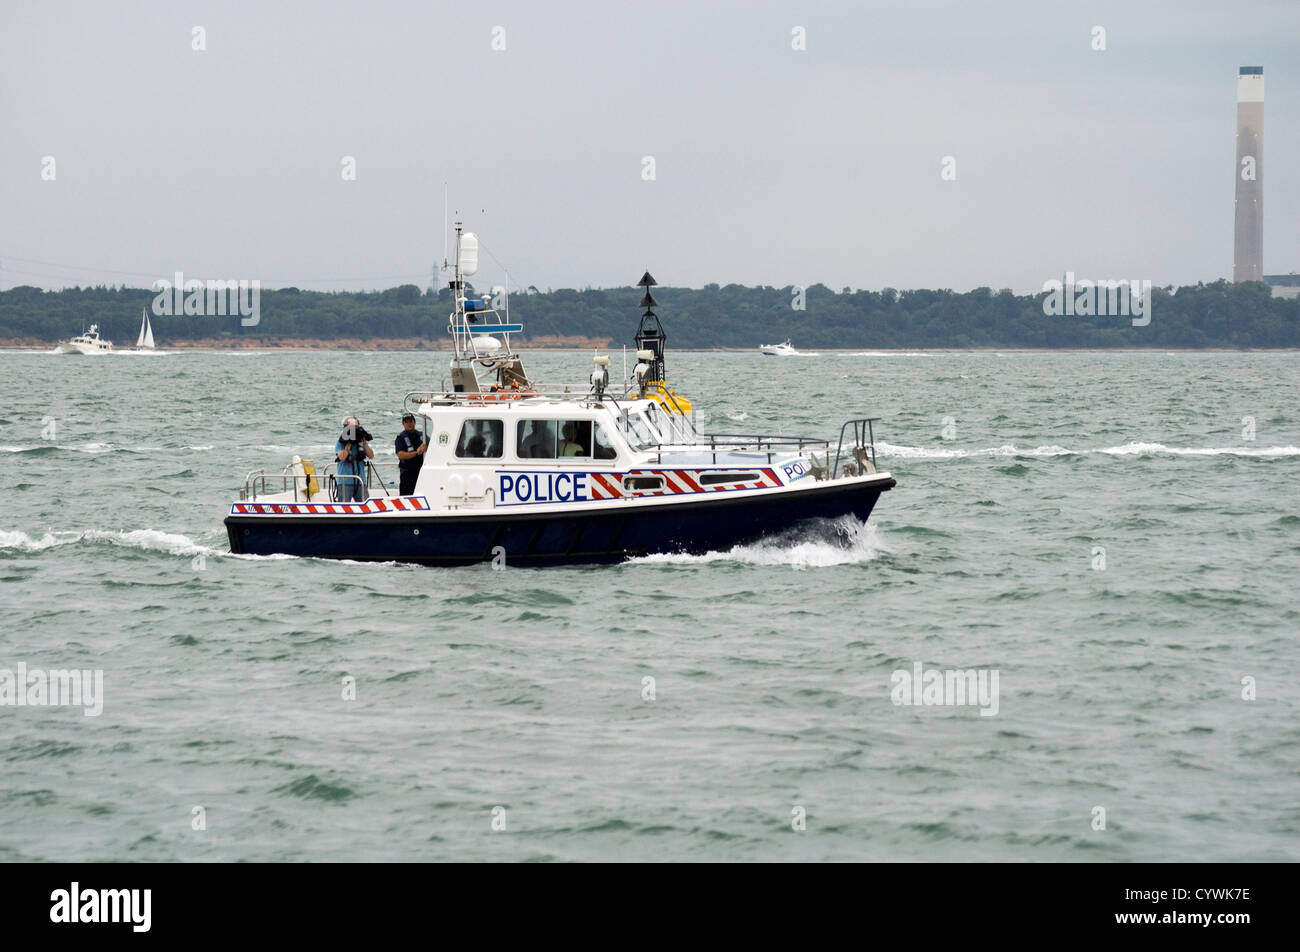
{"type": "Point", "coordinates": [669, 399]}
{"type": "Point", "coordinates": [309, 470]}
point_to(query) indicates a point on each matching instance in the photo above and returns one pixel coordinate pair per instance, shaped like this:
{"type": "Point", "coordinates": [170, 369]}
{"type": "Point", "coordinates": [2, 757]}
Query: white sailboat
{"type": "Point", "coordinates": [144, 343]}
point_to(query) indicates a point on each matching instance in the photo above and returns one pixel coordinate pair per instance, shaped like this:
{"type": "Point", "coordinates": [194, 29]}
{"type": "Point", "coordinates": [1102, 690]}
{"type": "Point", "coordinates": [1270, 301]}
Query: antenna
{"type": "Point", "coordinates": [444, 225]}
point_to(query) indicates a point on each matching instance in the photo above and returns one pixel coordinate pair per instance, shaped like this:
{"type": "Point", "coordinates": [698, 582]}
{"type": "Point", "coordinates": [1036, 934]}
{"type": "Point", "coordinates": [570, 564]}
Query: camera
{"type": "Point", "coordinates": [353, 434]}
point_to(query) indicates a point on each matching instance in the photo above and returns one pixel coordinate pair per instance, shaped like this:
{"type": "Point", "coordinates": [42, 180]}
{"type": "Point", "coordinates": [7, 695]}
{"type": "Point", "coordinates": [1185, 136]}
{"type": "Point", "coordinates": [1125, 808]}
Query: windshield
{"type": "Point", "coordinates": [681, 428]}
{"type": "Point", "coordinates": [666, 426]}
{"type": "Point", "coordinates": [638, 433]}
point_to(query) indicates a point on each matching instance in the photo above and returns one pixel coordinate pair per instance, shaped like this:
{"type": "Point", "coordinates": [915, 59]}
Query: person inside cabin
{"type": "Point", "coordinates": [411, 445]}
{"type": "Point", "coordinates": [350, 454]}
{"type": "Point", "coordinates": [476, 447]}
{"type": "Point", "coordinates": [569, 445]}
{"type": "Point", "coordinates": [540, 441]}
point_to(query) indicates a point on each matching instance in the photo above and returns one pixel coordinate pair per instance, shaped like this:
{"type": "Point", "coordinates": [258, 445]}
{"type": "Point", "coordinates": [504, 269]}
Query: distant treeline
{"type": "Point", "coordinates": [1206, 315]}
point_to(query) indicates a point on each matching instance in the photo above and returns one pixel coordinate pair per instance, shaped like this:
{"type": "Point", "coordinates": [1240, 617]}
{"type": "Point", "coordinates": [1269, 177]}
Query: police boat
{"type": "Point", "coordinates": [518, 473]}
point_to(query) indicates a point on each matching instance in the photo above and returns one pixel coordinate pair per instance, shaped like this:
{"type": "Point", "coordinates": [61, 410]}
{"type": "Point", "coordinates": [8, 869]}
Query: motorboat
{"type": "Point", "coordinates": [779, 350]}
{"type": "Point", "coordinates": [519, 472]}
{"type": "Point", "coordinates": [88, 343]}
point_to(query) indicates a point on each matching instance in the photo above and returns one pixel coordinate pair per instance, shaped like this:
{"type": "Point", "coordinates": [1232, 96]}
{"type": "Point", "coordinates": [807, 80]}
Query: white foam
{"type": "Point", "coordinates": [108, 447]}
{"type": "Point", "coordinates": [307, 448]}
{"type": "Point", "coordinates": [16, 539]}
{"type": "Point", "coordinates": [887, 353]}
{"type": "Point", "coordinates": [863, 545]}
{"type": "Point", "coordinates": [891, 451]}
{"type": "Point", "coordinates": [150, 540]}
{"type": "Point", "coordinates": [1153, 449]}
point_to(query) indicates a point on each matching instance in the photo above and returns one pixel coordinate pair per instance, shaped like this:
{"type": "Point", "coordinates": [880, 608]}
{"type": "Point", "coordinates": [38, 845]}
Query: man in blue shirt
{"type": "Point", "coordinates": [411, 446]}
{"type": "Point", "coordinates": [350, 453]}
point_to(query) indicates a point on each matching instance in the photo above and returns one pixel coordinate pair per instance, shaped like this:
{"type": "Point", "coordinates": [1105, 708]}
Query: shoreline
{"type": "Point", "coordinates": [580, 344]}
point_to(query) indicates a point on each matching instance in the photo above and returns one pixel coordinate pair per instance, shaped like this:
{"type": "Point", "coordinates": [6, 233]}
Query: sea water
{"type": "Point", "coordinates": [1109, 542]}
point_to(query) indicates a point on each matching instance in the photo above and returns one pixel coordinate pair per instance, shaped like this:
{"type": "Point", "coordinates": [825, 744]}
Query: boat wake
{"type": "Point", "coordinates": [146, 540]}
{"type": "Point", "coordinates": [887, 353]}
{"type": "Point", "coordinates": [97, 448]}
{"type": "Point", "coordinates": [822, 544]}
{"type": "Point", "coordinates": [890, 451]}
{"type": "Point", "coordinates": [1154, 449]}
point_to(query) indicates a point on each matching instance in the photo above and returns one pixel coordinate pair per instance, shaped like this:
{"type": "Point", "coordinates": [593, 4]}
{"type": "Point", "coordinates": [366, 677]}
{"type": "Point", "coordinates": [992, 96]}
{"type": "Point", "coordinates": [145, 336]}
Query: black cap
{"type": "Point", "coordinates": [407, 416]}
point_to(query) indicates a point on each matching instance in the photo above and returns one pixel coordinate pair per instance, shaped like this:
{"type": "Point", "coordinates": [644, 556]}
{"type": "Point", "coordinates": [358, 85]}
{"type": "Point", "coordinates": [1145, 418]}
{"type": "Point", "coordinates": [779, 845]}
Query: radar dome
{"type": "Point", "coordinates": [467, 256]}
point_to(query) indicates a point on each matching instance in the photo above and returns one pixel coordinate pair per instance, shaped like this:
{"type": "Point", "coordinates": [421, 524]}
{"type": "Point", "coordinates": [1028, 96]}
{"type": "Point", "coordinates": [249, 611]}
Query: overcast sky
{"type": "Point", "coordinates": [772, 165]}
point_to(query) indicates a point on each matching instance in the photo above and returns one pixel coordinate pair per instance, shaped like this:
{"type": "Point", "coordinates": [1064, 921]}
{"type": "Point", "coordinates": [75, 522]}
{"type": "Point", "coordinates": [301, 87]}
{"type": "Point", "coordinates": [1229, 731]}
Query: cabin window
{"type": "Point", "coordinates": [575, 438]}
{"type": "Point", "coordinates": [562, 439]}
{"type": "Point", "coordinates": [604, 448]}
{"type": "Point", "coordinates": [536, 439]}
{"type": "Point", "coordinates": [712, 479]}
{"type": "Point", "coordinates": [643, 483]}
{"type": "Point", "coordinates": [480, 439]}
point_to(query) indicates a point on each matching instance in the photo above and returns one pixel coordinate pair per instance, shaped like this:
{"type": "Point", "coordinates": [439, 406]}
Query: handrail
{"type": "Point", "coordinates": [416, 397]}
{"type": "Point", "coordinates": [452, 398]}
{"type": "Point", "coordinates": [861, 428]}
{"type": "Point", "coordinates": [328, 478]}
{"type": "Point", "coordinates": [740, 443]}
{"type": "Point", "coordinates": [864, 440]}
{"type": "Point", "coordinates": [760, 438]}
{"type": "Point", "coordinates": [370, 467]}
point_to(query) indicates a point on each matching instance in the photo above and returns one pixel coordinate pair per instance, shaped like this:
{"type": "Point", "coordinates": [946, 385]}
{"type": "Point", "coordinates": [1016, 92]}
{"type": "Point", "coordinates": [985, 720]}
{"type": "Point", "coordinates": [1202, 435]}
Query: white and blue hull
{"type": "Point", "coordinates": [605, 531]}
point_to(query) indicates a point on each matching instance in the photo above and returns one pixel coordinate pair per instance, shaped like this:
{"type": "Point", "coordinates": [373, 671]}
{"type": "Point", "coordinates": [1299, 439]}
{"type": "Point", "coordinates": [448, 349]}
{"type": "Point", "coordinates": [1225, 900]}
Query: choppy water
{"type": "Point", "coordinates": [524, 689]}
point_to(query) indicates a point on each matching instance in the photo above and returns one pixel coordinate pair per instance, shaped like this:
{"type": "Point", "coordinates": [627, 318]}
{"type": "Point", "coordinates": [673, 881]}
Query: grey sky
{"type": "Point", "coordinates": [773, 166]}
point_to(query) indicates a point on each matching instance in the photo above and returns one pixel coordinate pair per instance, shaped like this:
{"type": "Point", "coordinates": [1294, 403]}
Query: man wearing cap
{"type": "Point", "coordinates": [411, 446]}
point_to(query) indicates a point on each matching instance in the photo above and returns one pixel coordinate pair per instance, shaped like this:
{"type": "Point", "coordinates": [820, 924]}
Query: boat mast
{"type": "Point", "coordinates": [462, 374]}
{"type": "Point", "coordinates": [650, 334]}
{"type": "Point", "coordinates": [479, 334]}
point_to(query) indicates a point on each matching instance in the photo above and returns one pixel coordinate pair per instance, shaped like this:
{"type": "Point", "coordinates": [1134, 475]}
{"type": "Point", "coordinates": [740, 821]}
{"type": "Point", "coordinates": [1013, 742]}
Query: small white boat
{"type": "Point", "coordinates": [144, 343]}
{"type": "Point", "coordinates": [779, 350]}
{"type": "Point", "coordinates": [87, 343]}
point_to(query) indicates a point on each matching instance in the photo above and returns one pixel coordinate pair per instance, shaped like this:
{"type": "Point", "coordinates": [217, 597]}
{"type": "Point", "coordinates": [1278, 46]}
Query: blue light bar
{"type": "Point", "coordinates": [495, 328]}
